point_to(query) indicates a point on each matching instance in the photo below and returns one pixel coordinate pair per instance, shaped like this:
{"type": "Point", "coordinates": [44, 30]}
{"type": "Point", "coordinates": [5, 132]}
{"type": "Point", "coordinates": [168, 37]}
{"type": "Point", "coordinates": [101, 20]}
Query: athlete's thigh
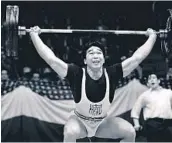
{"type": "Point", "coordinates": [76, 126]}
{"type": "Point", "coordinates": [113, 127]}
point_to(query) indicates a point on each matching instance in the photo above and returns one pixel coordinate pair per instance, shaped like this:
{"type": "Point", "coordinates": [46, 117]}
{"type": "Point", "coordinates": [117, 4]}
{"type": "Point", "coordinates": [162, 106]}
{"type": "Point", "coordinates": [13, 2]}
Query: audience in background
{"type": "Point", "coordinates": [27, 73]}
{"type": "Point", "coordinates": [5, 61]}
{"type": "Point", "coordinates": [46, 74]}
{"type": "Point", "coordinates": [68, 23]}
{"type": "Point", "coordinates": [169, 74]}
{"type": "Point", "coordinates": [101, 25]}
{"type": "Point", "coordinates": [35, 77]}
{"type": "Point", "coordinates": [48, 22]}
{"type": "Point", "coordinates": [4, 75]}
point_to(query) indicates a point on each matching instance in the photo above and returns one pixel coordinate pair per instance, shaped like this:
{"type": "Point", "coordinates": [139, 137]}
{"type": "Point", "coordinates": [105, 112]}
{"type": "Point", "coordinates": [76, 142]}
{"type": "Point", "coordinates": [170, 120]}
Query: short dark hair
{"type": "Point", "coordinates": [93, 43]}
{"type": "Point", "coordinates": [153, 73]}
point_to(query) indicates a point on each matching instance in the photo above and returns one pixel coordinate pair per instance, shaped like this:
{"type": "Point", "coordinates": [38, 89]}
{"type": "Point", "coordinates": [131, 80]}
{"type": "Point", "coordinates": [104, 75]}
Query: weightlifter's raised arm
{"type": "Point", "coordinates": [59, 66]}
{"type": "Point", "coordinates": [140, 54]}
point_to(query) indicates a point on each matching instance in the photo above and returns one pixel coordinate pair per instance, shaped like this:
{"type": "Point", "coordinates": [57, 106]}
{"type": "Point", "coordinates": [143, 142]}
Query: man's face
{"type": "Point", "coordinates": [94, 58]}
{"type": "Point", "coordinates": [153, 81]}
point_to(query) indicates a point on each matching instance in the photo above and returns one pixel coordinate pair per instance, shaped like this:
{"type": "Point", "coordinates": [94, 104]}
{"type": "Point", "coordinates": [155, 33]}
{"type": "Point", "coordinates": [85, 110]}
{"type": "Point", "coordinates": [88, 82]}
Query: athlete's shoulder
{"type": "Point", "coordinates": [115, 70]}
{"type": "Point", "coordinates": [74, 70]}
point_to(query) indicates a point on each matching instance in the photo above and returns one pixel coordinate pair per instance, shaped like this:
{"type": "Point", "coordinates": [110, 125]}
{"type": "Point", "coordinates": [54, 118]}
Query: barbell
{"type": "Point", "coordinates": [13, 31]}
{"type": "Point", "coordinates": [23, 31]}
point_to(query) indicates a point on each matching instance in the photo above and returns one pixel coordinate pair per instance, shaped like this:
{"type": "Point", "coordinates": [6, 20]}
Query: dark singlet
{"type": "Point", "coordinates": [95, 89]}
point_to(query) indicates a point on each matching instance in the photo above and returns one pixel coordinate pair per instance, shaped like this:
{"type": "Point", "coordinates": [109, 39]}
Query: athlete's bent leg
{"type": "Point", "coordinates": [74, 129]}
{"type": "Point", "coordinates": [115, 128]}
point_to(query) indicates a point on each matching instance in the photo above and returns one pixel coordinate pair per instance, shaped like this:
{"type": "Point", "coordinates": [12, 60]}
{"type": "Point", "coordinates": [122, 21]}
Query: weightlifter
{"type": "Point", "coordinates": [93, 88]}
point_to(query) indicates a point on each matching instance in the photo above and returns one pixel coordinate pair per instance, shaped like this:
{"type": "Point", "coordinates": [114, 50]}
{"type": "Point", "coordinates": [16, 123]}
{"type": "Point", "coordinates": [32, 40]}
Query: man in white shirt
{"type": "Point", "coordinates": [156, 103]}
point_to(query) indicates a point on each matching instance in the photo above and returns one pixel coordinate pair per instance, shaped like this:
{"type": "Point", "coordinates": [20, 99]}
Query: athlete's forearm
{"type": "Point", "coordinates": [59, 66]}
{"type": "Point", "coordinates": [136, 122]}
{"type": "Point", "coordinates": [141, 53]}
{"type": "Point", "coordinates": [43, 50]}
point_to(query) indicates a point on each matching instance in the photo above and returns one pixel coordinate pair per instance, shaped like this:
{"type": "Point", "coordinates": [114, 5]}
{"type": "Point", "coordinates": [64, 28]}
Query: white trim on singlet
{"type": "Point", "coordinates": [83, 92]}
{"type": "Point", "coordinates": [85, 101]}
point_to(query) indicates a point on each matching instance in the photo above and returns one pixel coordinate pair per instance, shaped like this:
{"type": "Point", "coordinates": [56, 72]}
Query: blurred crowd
{"type": "Point", "coordinates": [50, 85]}
{"type": "Point", "coordinates": [30, 66]}
{"type": "Point", "coordinates": [68, 47]}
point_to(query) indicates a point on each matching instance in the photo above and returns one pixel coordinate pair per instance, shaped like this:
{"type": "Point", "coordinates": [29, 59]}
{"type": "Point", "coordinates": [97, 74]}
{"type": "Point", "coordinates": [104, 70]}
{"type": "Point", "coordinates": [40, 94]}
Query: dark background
{"type": "Point", "coordinates": [124, 15]}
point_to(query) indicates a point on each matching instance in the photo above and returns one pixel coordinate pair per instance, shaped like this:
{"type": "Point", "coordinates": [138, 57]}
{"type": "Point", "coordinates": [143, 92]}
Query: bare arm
{"type": "Point", "coordinates": [139, 55]}
{"type": "Point", "coordinates": [137, 125]}
{"type": "Point", "coordinates": [136, 122]}
{"type": "Point", "coordinates": [45, 52]}
{"type": "Point", "coordinates": [135, 112]}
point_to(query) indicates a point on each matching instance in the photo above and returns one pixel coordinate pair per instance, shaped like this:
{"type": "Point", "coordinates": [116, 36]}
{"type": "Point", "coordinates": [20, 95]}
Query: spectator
{"type": "Point", "coordinates": [169, 74]}
{"type": "Point", "coordinates": [4, 75]}
{"type": "Point", "coordinates": [68, 23]}
{"type": "Point", "coordinates": [27, 72]}
{"type": "Point", "coordinates": [101, 26]}
{"type": "Point", "coordinates": [36, 77]}
{"type": "Point", "coordinates": [156, 103]}
{"type": "Point", "coordinates": [46, 74]}
{"type": "Point", "coordinates": [5, 62]}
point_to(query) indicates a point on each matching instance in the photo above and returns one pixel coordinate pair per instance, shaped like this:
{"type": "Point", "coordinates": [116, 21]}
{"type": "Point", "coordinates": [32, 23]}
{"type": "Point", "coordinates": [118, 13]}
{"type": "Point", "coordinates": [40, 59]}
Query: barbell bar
{"type": "Point", "coordinates": [13, 31]}
{"type": "Point", "coordinates": [23, 31]}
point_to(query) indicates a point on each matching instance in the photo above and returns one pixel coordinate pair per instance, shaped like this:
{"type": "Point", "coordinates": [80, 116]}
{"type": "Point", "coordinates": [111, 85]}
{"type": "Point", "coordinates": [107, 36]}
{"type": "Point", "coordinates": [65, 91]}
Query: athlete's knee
{"type": "Point", "coordinates": [130, 132]}
{"type": "Point", "coordinates": [71, 131]}
{"type": "Point", "coordinates": [129, 135]}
